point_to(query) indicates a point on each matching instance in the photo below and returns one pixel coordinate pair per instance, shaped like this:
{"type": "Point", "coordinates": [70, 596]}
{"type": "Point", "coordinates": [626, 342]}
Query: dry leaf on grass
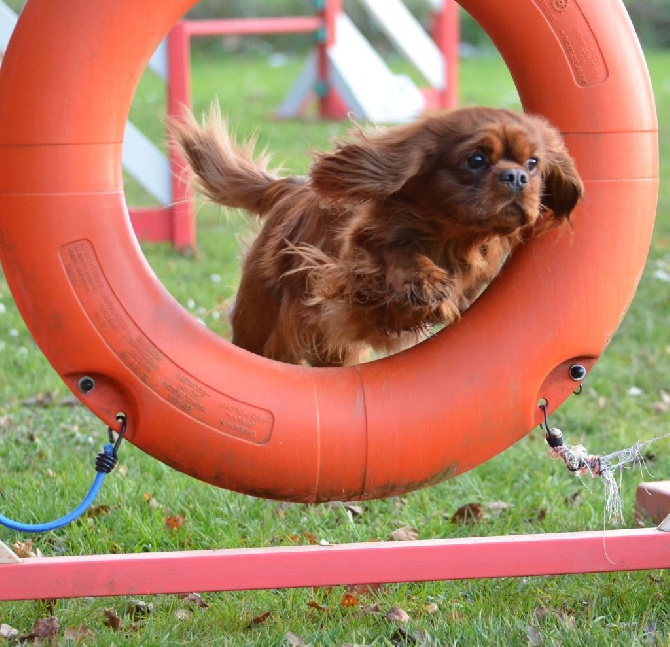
{"type": "Point", "coordinates": [174, 522]}
{"type": "Point", "coordinates": [7, 631]}
{"type": "Point", "coordinates": [396, 614]}
{"type": "Point", "coordinates": [138, 609]}
{"type": "Point", "coordinates": [663, 405]}
{"type": "Point", "coordinates": [24, 549]}
{"type": "Point", "coordinates": [404, 637]}
{"type": "Point", "coordinates": [372, 609]}
{"type": "Point", "coordinates": [406, 533]}
{"type": "Point", "coordinates": [364, 589]}
{"type": "Point", "coordinates": [353, 509]}
{"type": "Point", "coordinates": [194, 599]}
{"type": "Point", "coordinates": [151, 501]}
{"type": "Point", "coordinates": [468, 513]}
{"type": "Point", "coordinates": [259, 619]}
{"type": "Point", "coordinates": [292, 640]}
{"type": "Point", "coordinates": [77, 634]}
{"type": "Point", "coordinates": [44, 630]}
{"type": "Point", "coordinates": [431, 607]}
{"type": "Point", "coordinates": [112, 620]}
{"type": "Point", "coordinates": [98, 511]}
{"type": "Point", "coordinates": [534, 636]}
{"type": "Point", "coordinates": [349, 600]}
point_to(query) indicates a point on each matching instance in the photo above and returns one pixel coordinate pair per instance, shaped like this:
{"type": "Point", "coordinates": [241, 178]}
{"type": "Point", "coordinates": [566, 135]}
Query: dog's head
{"type": "Point", "coordinates": [474, 170]}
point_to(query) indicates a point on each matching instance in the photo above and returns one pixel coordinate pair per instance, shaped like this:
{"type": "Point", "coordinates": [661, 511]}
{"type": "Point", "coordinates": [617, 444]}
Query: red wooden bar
{"type": "Point", "coordinates": [363, 563]}
{"type": "Point", "coordinates": [250, 26]}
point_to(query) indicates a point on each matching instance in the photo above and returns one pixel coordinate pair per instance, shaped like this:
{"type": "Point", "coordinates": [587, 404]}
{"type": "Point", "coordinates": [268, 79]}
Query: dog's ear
{"type": "Point", "coordinates": [562, 186]}
{"type": "Point", "coordinates": [375, 165]}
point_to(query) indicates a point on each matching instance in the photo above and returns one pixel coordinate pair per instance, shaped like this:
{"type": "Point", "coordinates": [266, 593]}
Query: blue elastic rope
{"type": "Point", "coordinates": [109, 451]}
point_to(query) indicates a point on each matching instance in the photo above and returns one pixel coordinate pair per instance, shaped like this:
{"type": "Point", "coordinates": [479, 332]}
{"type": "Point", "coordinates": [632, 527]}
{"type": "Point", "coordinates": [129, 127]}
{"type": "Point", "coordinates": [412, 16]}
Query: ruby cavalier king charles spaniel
{"type": "Point", "coordinates": [396, 231]}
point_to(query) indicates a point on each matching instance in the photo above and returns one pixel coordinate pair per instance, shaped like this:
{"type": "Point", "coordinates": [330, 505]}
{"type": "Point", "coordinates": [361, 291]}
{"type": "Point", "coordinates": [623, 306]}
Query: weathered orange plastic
{"type": "Point", "coordinates": [252, 425]}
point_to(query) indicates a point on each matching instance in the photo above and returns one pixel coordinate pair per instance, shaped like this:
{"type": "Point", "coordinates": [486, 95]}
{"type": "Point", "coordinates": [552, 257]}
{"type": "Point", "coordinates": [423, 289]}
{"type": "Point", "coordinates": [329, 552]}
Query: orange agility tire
{"type": "Point", "coordinates": [218, 413]}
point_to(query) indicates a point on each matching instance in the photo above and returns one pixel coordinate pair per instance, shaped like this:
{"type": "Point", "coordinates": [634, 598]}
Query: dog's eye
{"type": "Point", "coordinates": [476, 161]}
{"type": "Point", "coordinates": [532, 163]}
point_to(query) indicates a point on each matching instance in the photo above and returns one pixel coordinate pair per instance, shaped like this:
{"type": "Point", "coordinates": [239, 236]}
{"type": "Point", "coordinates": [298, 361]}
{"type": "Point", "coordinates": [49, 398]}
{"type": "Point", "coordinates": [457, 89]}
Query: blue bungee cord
{"type": "Point", "coordinates": [105, 462]}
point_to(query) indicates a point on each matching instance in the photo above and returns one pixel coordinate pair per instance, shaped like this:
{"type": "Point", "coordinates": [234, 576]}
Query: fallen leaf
{"type": "Point", "coordinates": [353, 509]}
{"type": "Point", "coordinates": [399, 502]}
{"type": "Point", "coordinates": [259, 619]}
{"type": "Point", "coordinates": [566, 618]}
{"type": "Point", "coordinates": [112, 620]}
{"type": "Point", "coordinates": [406, 533]}
{"type": "Point", "coordinates": [294, 641]}
{"type": "Point", "coordinates": [24, 549]}
{"type": "Point", "coordinates": [195, 599]}
{"type": "Point", "coordinates": [98, 510]}
{"type": "Point", "coordinates": [650, 635]}
{"type": "Point", "coordinates": [45, 629]}
{"type": "Point", "coordinates": [364, 589]}
{"type": "Point", "coordinates": [326, 589]}
{"type": "Point", "coordinates": [316, 605]}
{"type": "Point", "coordinates": [138, 609]}
{"type": "Point", "coordinates": [372, 609]}
{"type": "Point", "coordinates": [7, 631]}
{"type": "Point", "coordinates": [661, 407]}
{"type": "Point", "coordinates": [497, 507]}
{"type": "Point", "coordinates": [174, 522]}
{"type": "Point", "coordinates": [40, 400]}
{"type": "Point", "coordinates": [152, 503]}
{"type": "Point", "coordinates": [349, 600]}
{"type": "Point", "coordinates": [75, 634]}
{"type": "Point", "coordinates": [431, 607]}
{"type": "Point", "coordinates": [468, 513]}
{"type": "Point", "coordinates": [396, 614]}
{"type": "Point", "coordinates": [534, 636]}
{"type": "Point", "coordinates": [541, 613]}
{"type": "Point", "coordinates": [404, 637]}
{"type": "Point", "coordinates": [311, 538]}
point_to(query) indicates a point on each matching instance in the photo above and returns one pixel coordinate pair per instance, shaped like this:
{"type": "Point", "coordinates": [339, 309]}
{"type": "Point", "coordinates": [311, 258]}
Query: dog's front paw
{"type": "Point", "coordinates": [430, 288]}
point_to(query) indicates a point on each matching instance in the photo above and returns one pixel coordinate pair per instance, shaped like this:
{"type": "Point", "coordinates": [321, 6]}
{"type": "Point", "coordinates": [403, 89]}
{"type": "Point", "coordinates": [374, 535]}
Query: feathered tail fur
{"type": "Point", "coordinates": [225, 172]}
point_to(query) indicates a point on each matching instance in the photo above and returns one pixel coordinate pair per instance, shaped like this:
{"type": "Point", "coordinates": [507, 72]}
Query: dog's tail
{"type": "Point", "coordinates": [226, 173]}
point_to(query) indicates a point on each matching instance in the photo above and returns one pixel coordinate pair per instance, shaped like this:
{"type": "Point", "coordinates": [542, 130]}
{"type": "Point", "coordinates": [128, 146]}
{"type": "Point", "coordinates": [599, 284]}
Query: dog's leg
{"type": "Point", "coordinates": [254, 315]}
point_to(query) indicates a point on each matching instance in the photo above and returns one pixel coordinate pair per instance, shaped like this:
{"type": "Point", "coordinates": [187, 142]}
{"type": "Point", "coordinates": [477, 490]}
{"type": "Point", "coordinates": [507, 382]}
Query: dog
{"type": "Point", "coordinates": [396, 231]}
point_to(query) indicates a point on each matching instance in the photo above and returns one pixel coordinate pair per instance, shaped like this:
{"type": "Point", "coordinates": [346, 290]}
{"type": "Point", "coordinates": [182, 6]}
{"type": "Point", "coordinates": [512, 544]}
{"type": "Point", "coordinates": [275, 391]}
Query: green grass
{"type": "Point", "coordinates": [46, 453]}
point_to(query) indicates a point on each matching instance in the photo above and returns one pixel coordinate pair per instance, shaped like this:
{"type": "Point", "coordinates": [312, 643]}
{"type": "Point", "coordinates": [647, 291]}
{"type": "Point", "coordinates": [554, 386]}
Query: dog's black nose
{"type": "Point", "coordinates": [515, 179]}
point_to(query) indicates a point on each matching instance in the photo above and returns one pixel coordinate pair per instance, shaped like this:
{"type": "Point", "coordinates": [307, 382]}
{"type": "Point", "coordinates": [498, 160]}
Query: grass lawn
{"type": "Point", "coordinates": [47, 452]}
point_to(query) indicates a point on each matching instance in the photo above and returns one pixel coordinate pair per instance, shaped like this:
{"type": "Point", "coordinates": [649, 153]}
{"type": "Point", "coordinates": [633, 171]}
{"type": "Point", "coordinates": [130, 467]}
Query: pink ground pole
{"type": "Point", "coordinates": [301, 566]}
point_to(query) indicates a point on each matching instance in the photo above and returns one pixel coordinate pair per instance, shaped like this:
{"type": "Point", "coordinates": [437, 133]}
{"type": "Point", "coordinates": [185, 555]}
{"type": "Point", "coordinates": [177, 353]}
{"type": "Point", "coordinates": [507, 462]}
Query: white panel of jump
{"type": "Point", "coordinates": [409, 37]}
{"type": "Point", "coordinates": [382, 95]}
{"type": "Point", "coordinates": [8, 556]}
{"type": "Point", "coordinates": [147, 164]}
{"type": "Point", "coordinates": [141, 157]}
{"type": "Point", "coordinates": [159, 61]}
{"type": "Point", "coordinates": [362, 80]}
{"type": "Point", "coordinates": [7, 23]}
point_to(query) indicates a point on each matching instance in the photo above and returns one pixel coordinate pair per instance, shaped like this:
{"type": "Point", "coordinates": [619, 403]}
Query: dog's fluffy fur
{"type": "Point", "coordinates": [395, 231]}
